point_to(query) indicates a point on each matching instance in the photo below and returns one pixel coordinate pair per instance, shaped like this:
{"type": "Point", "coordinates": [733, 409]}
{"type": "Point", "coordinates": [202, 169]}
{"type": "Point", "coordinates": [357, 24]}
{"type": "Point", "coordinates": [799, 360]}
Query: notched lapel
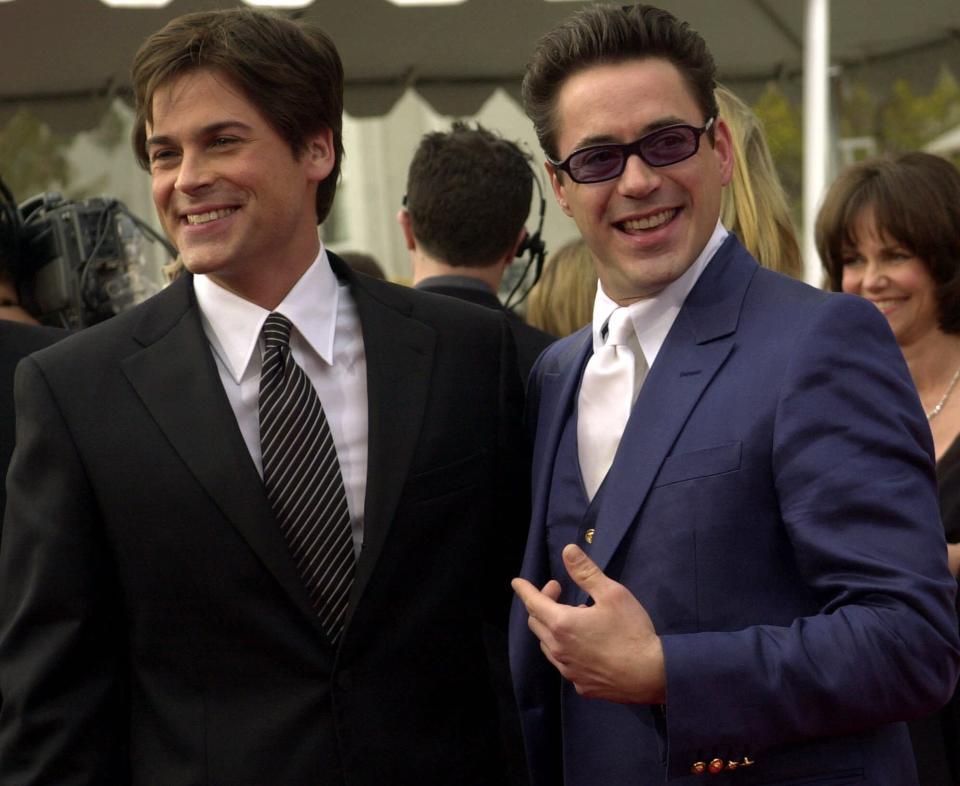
{"type": "Point", "coordinates": [400, 354]}
{"type": "Point", "coordinates": [176, 378]}
{"type": "Point", "coordinates": [557, 397]}
{"type": "Point", "coordinates": [668, 396]}
{"type": "Point", "coordinates": [701, 339]}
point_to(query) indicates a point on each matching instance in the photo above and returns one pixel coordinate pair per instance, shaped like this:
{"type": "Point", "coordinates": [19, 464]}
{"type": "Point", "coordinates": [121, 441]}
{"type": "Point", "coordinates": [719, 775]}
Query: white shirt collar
{"type": "Point", "coordinates": [652, 318]}
{"type": "Point", "coordinates": [233, 324]}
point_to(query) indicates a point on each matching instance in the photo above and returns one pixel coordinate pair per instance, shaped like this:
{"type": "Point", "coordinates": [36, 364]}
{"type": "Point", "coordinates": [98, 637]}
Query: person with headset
{"type": "Point", "coordinates": [468, 196]}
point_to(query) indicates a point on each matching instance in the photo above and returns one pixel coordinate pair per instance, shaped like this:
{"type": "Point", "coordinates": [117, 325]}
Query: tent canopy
{"type": "Point", "coordinates": [66, 59]}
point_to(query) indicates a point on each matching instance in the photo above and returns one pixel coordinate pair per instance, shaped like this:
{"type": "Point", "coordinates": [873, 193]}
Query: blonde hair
{"type": "Point", "coordinates": [754, 205]}
{"type": "Point", "coordinates": [561, 302]}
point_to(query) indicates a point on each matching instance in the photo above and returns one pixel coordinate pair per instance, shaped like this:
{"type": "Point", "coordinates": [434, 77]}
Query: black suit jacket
{"type": "Point", "coordinates": [153, 627]}
{"type": "Point", "coordinates": [529, 340]}
{"type": "Point", "coordinates": [17, 340]}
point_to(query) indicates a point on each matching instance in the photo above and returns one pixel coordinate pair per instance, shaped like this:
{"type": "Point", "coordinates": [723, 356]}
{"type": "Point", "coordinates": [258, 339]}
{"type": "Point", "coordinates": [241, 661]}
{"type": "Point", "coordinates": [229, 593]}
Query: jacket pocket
{"type": "Point", "coordinates": [699, 464]}
{"type": "Point", "coordinates": [446, 479]}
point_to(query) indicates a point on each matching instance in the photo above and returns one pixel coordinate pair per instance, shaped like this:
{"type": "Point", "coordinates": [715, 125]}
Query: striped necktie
{"type": "Point", "coordinates": [302, 478]}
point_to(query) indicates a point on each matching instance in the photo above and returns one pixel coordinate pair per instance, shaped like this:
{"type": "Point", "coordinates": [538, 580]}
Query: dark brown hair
{"type": "Point", "coordinates": [915, 199]}
{"type": "Point", "coordinates": [290, 71]}
{"type": "Point", "coordinates": [468, 194]}
{"type": "Point", "coordinates": [609, 34]}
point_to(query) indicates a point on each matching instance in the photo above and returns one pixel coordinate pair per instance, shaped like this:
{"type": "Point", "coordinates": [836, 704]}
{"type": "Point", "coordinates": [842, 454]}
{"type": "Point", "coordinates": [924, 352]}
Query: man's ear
{"type": "Point", "coordinates": [723, 147]}
{"type": "Point", "coordinates": [559, 190]}
{"type": "Point", "coordinates": [406, 226]}
{"type": "Point", "coordinates": [514, 248]}
{"type": "Point", "coordinates": [320, 155]}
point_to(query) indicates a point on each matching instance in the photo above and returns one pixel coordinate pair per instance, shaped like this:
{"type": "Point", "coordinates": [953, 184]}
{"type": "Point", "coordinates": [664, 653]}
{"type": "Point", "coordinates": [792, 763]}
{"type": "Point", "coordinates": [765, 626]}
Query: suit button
{"type": "Point", "coordinates": [344, 680]}
{"type": "Point", "coordinates": [588, 535]}
{"type": "Point", "coordinates": [699, 767]}
{"type": "Point", "coordinates": [716, 765]}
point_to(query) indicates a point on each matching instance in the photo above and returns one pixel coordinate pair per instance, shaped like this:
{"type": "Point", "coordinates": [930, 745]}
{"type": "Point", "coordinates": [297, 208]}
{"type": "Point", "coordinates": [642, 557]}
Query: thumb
{"type": "Point", "coordinates": [584, 571]}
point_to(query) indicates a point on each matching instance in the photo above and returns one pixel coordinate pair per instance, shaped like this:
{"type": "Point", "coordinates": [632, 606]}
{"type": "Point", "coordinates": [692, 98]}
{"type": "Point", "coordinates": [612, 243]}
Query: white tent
{"type": "Point", "coordinates": [946, 144]}
{"type": "Point", "coordinates": [65, 58]}
{"type": "Point", "coordinates": [68, 59]}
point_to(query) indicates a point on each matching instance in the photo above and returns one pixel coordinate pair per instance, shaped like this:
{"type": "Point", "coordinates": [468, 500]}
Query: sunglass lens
{"type": "Point", "coordinates": [669, 145]}
{"type": "Point", "coordinates": [596, 163]}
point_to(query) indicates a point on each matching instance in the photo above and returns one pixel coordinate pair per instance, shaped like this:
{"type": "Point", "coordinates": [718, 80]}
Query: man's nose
{"type": "Point", "coordinates": [194, 173]}
{"type": "Point", "coordinates": [638, 178]}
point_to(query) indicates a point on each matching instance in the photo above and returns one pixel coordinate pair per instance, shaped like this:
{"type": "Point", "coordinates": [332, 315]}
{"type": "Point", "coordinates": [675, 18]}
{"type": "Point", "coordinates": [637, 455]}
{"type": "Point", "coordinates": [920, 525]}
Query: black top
{"type": "Point", "coordinates": [529, 340]}
{"type": "Point", "coordinates": [936, 740]}
{"type": "Point", "coordinates": [948, 481]}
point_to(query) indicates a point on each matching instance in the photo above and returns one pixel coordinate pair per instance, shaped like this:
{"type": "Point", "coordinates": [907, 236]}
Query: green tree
{"type": "Point", "coordinates": [784, 130]}
{"type": "Point", "coordinates": [910, 120]}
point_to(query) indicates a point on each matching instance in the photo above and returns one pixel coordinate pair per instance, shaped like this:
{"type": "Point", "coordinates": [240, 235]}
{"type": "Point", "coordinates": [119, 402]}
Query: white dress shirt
{"type": "Point", "coordinates": [652, 318]}
{"type": "Point", "coordinates": [326, 341]}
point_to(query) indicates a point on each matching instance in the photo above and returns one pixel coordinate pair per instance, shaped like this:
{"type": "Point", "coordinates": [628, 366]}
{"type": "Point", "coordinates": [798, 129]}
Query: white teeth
{"type": "Point", "coordinates": [882, 304]}
{"type": "Point", "coordinates": [203, 218]}
{"type": "Point", "coordinates": [650, 222]}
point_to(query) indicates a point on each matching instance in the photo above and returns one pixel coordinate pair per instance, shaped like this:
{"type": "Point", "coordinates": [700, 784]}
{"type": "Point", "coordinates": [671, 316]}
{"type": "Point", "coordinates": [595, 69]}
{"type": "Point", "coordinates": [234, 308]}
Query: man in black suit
{"type": "Point", "coordinates": [468, 195]}
{"type": "Point", "coordinates": [161, 617]}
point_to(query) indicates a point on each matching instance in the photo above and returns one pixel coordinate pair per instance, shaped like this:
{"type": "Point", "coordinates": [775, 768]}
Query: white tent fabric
{"type": "Point", "coordinates": [67, 58]}
{"type": "Point", "coordinates": [946, 144]}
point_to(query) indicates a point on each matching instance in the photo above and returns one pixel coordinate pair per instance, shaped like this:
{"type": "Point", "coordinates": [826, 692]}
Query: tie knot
{"type": "Point", "coordinates": [276, 331]}
{"type": "Point", "coordinates": [619, 328]}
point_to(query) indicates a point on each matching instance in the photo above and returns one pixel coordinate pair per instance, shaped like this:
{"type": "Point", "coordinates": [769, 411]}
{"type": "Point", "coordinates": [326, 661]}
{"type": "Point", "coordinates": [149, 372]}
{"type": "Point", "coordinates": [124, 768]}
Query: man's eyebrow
{"type": "Point", "coordinates": [606, 139]}
{"type": "Point", "coordinates": [208, 130]}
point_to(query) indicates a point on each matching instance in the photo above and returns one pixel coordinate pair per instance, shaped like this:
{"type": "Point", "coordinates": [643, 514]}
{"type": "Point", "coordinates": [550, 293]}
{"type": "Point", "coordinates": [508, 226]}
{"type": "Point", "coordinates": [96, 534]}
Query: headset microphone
{"type": "Point", "coordinates": [534, 246]}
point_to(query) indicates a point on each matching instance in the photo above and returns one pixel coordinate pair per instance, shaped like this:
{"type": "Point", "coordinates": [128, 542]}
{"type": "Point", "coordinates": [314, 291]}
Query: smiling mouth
{"type": "Point", "coordinates": [648, 222]}
{"type": "Point", "coordinates": [883, 305]}
{"type": "Point", "coordinates": [212, 215]}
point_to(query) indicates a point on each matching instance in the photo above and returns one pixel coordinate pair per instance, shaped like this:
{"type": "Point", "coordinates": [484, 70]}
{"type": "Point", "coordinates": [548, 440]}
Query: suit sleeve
{"type": "Point", "coordinates": [854, 478]}
{"type": "Point", "coordinates": [60, 612]}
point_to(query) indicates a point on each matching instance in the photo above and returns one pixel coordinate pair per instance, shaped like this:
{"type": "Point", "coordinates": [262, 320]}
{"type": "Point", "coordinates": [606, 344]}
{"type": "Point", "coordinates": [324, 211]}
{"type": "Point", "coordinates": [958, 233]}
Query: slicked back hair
{"type": "Point", "coordinates": [468, 195]}
{"type": "Point", "coordinates": [608, 35]}
{"type": "Point", "coordinates": [290, 71]}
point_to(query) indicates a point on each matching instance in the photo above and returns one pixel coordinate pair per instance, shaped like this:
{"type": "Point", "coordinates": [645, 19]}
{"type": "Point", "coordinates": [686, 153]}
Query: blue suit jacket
{"type": "Point", "coordinates": [773, 506]}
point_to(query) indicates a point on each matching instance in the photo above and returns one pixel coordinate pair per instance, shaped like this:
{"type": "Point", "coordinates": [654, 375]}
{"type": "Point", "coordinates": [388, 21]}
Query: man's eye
{"type": "Point", "coordinates": [222, 141]}
{"type": "Point", "coordinates": [668, 141]}
{"type": "Point", "coordinates": [596, 157]}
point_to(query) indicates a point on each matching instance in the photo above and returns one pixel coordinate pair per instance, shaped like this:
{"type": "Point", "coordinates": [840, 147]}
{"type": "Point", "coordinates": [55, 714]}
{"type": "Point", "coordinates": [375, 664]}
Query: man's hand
{"type": "Point", "coordinates": [609, 650]}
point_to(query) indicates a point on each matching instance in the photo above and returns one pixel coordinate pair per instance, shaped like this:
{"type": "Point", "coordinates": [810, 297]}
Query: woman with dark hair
{"type": "Point", "coordinates": [889, 230]}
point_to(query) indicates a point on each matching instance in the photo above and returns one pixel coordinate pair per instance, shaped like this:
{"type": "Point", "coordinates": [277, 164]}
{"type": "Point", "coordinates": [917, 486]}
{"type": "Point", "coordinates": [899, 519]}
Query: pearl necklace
{"type": "Point", "coordinates": [943, 399]}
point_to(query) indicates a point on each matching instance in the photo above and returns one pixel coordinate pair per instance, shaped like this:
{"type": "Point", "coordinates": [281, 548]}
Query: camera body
{"type": "Point", "coordinates": [82, 262]}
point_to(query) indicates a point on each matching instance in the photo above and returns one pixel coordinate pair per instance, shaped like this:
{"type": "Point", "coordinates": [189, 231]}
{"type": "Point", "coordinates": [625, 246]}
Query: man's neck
{"type": "Point", "coordinates": [427, 267]}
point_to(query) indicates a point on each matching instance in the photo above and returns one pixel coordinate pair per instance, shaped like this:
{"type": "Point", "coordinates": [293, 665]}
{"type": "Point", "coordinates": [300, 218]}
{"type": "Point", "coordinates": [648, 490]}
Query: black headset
{"type": "Point", "coordinates": [532, 245]}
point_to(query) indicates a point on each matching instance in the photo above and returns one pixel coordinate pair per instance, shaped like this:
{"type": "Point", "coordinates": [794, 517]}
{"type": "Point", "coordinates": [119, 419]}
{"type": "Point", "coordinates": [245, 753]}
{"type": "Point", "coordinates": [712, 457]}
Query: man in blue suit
{"type": "Point", "coordinates": [741, 575]}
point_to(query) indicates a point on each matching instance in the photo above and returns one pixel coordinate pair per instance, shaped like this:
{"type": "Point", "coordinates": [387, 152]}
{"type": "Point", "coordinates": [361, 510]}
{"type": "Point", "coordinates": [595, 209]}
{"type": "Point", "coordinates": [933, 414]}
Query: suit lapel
{"type": "Point", "coordinates": [556, 398]}
{"type": "Point", "coordinates": [699, 342]}
{"type": "Point", "coordinates": [399, 354]}
{"type": "Point", "coordinates": [175, 376]}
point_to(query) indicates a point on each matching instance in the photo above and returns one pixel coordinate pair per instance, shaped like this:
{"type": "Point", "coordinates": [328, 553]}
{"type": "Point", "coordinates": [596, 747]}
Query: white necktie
{"type": "Point", "coordinates": [607, 392]}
